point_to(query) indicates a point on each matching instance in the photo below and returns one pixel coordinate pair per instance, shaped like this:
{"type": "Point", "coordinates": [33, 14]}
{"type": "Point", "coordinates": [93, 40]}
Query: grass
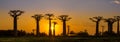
{"type": "Point", "coordinates": [59, 39]}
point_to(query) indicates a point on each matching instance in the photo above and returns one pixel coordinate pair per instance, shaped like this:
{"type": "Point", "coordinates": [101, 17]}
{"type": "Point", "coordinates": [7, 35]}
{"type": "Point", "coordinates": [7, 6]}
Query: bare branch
{"type": "Point", "coordinates": [112, 20]}
{"type": "Point", "coordinates": [19, 13]}
{"type": "Point", "coordinates": [68, 19]}
{"type": "Point", "coordinates": [96, 19]}
{"type": "Point", "coordinates": [11, 14]}
{"type": "Point", "coordinates": [92, 20]}
{"type": "Point", "coordinates": [15, 13]}
{"type": "Point", "coordinates": [117, 18]}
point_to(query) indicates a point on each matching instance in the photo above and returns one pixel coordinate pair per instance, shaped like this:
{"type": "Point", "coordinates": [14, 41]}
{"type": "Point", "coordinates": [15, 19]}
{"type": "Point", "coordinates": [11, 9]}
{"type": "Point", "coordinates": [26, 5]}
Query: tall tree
{"type": "Point", "coordinates": [96, 20]}
{"type": "Point", "coordinates": [118, 19]}
{"type": "Point", "coordinates": [64, 18]}
{"type": "Point", "coordinates": [50, 17]}
{"type": "Point", "coordinates": [54, 28]}
{"type": "Point", "coordinates": [110, 22]}
{"type": "Point", "coordinates": [102, 29]}
{"type": "Point", "coordinates": [15, 14]}
{"type": "Point", "coordinates": [37, 17]}
{"type": "Point", "coordinates": [68, 29]}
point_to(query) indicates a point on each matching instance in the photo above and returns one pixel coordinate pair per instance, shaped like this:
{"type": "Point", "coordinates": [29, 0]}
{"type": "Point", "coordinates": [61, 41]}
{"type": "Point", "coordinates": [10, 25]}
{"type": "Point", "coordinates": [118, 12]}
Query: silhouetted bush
{"type": "Point", "coordinates": [6, 33]}
{"type": "Point", "coordinates": [106, 34]}
{"type": "Point", "coordinates": [82, 34]}
{"type": "Point", "coordinates": [10, 33]}
{"type": "Point", "coordinates": [43, 34]}
{"type": "Point", "coordinates": [72, 32]}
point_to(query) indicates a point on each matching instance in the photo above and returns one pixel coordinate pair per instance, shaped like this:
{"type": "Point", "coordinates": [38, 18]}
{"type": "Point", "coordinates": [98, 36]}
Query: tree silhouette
{"type": "Point", "coordinates": [108, 34]}
{"type": "Point", "coordinates": [102, 29]}
{"type": "Point", "coordinates": [49, 17]}
{"type": "Point", "coordinates": [118, 19]}
{"type": "Point", "coordinates": [15, 14]}
{"type": "Point", "coordinates": [54, 28]}
{"type": "Point", "coordinates": [68, 29]}
{"type": "Point", "coordinates": [37, 18]}
{"type": "Point", "coordinates": [96, 20]}
{"type": "Point", "coordinates": [64, 18]}
{"type": "Point", "coordinates": [110, 22]}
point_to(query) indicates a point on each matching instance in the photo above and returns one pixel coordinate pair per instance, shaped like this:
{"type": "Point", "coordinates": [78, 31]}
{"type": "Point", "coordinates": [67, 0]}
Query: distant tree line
{"type": "Point", "coordinates": [20, 33]}
{"type": "Point", "coordinates": [16, 13]}
{"type": "Point", "coordinates": [9, 33]}
{"type": "Point", "coordinates": [64, 18]}
{"type": "Point", "coordinates": [110, 22]}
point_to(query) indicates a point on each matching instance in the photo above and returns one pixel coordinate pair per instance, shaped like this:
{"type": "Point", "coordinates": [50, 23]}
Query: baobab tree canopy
{"type": "Point", "coordinates": [15, 13]}
{"type": "Point", "coordinates": [117, 17]}
{"type": "Point", "coordinates": [49, 16]}
{"type": "Point", "coordinates": [112, 20]}
{"type": "Point", "coordinates": [37, 16]}
{"type": "Point", "coordinates": [64, 17]}
{"type": "Point", "coordinates": [95, 19]}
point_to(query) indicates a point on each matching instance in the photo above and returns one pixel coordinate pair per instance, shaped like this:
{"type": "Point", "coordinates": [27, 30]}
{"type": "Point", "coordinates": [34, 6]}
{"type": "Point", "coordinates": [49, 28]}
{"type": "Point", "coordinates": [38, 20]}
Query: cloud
{"type": "Point", "coordinates": [116, 1]}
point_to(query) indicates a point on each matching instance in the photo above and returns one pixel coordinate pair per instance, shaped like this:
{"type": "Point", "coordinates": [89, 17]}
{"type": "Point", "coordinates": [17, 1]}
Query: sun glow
{"type": "Point", "coordinates": [57, 28]}
{"type": "Point", "coordinates": [52, 28]}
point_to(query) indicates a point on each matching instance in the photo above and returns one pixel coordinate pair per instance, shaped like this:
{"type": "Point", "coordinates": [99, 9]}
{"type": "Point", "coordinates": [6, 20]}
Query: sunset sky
{"type": "Point", "coordinates": [79, 10]}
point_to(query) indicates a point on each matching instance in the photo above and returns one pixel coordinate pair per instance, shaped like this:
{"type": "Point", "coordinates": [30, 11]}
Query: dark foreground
{"type": "Point", "coordinates": [60, 39]}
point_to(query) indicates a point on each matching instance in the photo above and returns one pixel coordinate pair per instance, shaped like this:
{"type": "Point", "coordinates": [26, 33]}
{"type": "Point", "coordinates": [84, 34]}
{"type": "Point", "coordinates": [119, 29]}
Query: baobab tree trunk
{"type": "Point", "coordinates": [110, 27]}
{"type": "Point", "coordinates": [118, 28]}
{"type": "Point", "coordinates": [64, 28]}
{"type": "Point", "coordinates": [68, 30]}
{"type": "Point", "coordinates": [97, 28]}
{"type": "Point", "coordinates": [15, 26]}
{"type": "Point", "coordinates": [37, 28]}
{"type": "Point", "coordinates": [50, 33]}
{"type": "Point", "coordinates": [54, 30]}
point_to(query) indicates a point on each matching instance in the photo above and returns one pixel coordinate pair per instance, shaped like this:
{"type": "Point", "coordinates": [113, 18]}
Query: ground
{"type": "Point", "coordinates": [60, 39]}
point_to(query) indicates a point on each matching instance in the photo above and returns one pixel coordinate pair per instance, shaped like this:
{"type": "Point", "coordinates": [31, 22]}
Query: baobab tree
{"type": "Point", "coordinates": [110, 22]}
{"type": "Point", "coordinates": [102, 29]}
{"type": "Point", "coordinates": [37, 17]}
{"type": "Point", "coordinates": [97, 20]}
{"type": "Point", "coordinates": [15, 14]}
{"type": "Point", "coordinates": [118, 19]}
{"type": "Point", "coordinates": [68, 29]}
{"type": "Point", "coordinates": [54, 28]}
{"type": "Point", "coordinates": [64, 18]}
{"type": "Point", "coordinates": [50, 17]}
